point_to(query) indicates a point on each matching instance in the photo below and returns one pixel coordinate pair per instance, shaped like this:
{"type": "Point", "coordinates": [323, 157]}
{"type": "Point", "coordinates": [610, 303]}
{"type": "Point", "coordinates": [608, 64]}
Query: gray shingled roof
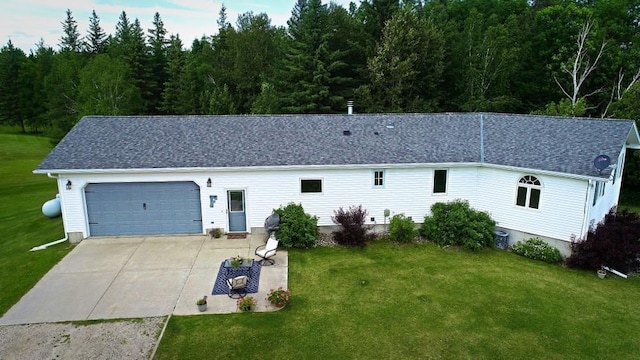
{"type": "Point", "coordinates": [148, 142]}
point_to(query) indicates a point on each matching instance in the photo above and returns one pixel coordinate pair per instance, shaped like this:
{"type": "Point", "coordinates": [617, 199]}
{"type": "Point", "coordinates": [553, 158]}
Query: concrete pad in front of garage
{"type": "Point", "coordinates": [131, 277]}
{"type": "Point", "coordinates": [97, 256]}
{"type": "Point", "coordinates": [141, 293]}
{"type": "Point", "coordinates": [165, 253]}
{"type": "Point", "coordinates": [60, 297]}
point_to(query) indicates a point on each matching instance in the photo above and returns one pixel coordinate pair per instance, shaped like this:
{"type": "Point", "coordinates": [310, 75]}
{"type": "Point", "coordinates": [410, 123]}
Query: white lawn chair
{"type": "Point", "coordinates": [267, 251]}
{"type": "Point", "coordinates": [238, 286]}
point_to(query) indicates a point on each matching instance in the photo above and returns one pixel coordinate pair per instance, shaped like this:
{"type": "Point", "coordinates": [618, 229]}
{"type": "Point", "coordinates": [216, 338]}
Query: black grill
{"type": "Point", "coordinates": [272, 223]}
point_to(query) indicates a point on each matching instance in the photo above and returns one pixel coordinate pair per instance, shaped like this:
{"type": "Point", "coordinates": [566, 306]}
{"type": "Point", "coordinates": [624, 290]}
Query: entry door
{"type": "Point", "coordinates": [236, 210]}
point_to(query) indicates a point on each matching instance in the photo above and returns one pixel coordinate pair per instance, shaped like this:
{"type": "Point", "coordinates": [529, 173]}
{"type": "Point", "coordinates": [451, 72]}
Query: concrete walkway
{"type": "Point", "coordinates": [133, 277]}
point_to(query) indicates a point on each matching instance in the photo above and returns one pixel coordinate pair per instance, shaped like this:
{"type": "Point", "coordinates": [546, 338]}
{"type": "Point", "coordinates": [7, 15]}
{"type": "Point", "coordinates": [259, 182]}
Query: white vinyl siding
{"type": "Point", "coordinates": [561, 207]}
{"type": "Point", "coordinates": [560, 215]}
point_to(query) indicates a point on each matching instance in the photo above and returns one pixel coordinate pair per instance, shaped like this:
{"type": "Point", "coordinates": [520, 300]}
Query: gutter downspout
{"type": "Point", "coordinates": [585, 218]}
{"type": "Point", "coordinates": [482, 138]}
{"type": "Point", "coordinates": [44, 246]}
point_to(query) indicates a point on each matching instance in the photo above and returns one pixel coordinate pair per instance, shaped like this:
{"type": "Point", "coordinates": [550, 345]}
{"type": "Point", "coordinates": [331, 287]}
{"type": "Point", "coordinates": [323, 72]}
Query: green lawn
{"type": "Point", "coordinates": [22, 224]}
{"type": "Point", "coordinates": [420, 301]}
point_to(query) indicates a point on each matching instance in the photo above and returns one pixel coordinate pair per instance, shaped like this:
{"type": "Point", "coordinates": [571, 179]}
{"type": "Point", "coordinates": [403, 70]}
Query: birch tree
{"type": "Point", "coordinates": [580, 66]}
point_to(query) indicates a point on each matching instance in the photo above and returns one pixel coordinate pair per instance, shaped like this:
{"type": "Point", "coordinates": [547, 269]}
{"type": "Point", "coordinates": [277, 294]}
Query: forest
{"type": "Point", "coordinates": [554, 57]}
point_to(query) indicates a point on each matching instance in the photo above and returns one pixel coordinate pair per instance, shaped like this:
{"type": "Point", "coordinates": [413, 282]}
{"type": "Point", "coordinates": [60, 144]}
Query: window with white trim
{"type": "Point", "coordinates": [378, 178]}
{"type": "Point", "coordinates": [528, 195]}
{"type": "Point", "coordinates": [310, 185]}
{"type": "Point", "coordinates": [596, 193]}
{"type": "Point", "coordinates": [439, 181]}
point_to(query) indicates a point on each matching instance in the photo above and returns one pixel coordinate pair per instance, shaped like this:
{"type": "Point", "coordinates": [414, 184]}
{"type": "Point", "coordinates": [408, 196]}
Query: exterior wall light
{"type": "Point", "coordinates": [68, 184]}
{"type": "Point", "coordinates": [209, 182]}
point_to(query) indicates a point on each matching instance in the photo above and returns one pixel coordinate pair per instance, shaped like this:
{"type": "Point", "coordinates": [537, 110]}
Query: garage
{"type": "Point", "coordinates": [144, 208]}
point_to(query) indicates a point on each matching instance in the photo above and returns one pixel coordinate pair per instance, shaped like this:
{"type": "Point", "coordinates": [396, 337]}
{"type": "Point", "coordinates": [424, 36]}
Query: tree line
{"type": "Point", "coordinates": [560, 57]}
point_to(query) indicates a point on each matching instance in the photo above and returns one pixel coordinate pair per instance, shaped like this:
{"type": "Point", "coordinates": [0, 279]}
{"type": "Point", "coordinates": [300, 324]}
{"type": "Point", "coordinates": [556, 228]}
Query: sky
{"type": "Point", "coordinates": [25, 22]}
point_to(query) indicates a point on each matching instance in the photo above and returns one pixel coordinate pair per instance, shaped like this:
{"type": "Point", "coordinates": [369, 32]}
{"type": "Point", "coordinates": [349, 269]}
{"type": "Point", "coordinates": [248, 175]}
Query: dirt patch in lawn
{"type": "Point", "coordinates": [122, 339]}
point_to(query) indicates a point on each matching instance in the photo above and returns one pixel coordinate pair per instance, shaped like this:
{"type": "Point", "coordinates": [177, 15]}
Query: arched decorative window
{"type": "Point", "coordinates": [528, 192]}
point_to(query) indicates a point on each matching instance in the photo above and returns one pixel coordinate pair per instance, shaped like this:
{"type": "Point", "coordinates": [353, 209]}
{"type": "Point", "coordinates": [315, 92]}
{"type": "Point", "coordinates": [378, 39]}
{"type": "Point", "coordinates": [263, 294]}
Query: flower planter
{"type": "Point", "coordinates": [246, 304]}
{"type": "Point", "coordinates": [602, 274]}
{"type": "Point", "coordinates": [202, 304]}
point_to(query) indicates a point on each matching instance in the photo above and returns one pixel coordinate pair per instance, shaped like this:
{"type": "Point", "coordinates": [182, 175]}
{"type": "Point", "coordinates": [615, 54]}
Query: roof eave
{"type": "Point", "coordinates": [316, 167]}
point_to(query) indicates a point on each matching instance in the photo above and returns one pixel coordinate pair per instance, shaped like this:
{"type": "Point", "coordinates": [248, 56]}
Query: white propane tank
{"type": "Point", "coordinates": [52, 208]}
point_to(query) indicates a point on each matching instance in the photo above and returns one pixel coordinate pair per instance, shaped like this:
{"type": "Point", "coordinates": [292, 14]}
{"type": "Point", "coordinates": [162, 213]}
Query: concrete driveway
{"type": "Point", "coordinates": [133, 277]}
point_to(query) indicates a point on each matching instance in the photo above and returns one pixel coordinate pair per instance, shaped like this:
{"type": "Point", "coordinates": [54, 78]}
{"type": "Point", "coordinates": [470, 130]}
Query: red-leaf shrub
{"type": "Point", "coordinates": [615, 243]}
{"type": "Point", "coordinates": [353, 231]}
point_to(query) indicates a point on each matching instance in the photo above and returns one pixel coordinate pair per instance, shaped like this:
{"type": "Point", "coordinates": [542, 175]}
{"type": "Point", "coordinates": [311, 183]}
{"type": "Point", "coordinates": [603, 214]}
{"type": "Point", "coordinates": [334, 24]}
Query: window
{"type": "Point", "coordinates": [596, 193]}
{"type": "Point", "coordinates": [378, 178]}
{"type": "Point", "coordinates": [528, 194]}
{"type": "Point", "coordinates": [439, 181]}
{"type": "Point", "coordinates": [311, 185]}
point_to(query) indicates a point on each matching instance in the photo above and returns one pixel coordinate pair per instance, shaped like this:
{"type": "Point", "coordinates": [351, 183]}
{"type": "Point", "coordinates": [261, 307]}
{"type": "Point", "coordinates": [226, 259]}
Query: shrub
{"type": "Point", "coordinates": [614, 243]}
{"type": "Point", "coordinates": [402, 228]}
{"type": "Point", "coordinates": [353, 232]}
{"type": "Point", "coordinates": [297, 228]}
{"type": "Point", "coordinates": [456, 223]}
{"type": "Point", "coordinates": [537, 249]}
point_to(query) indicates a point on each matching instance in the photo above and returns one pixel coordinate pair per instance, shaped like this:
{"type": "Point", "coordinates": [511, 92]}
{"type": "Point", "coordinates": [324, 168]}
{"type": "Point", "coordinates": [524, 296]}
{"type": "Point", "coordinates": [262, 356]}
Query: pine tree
{"type": "Point", "coordinates": [306, 74]}
{"type": "Point", "coordinates": [139, 60]}
{"type": "Point", "coordinates": [43, 64]}
{"type": "Point", "coordinates": [221, 81]}
{"type": "Point", "coordinates": [157, 62]}
{"type": "Point", "coordinates": [70, 40]}
{"type": "Point", "coordinates": [173, 89]}
{"type": "Point", "coordinates": [120, 43]}
{"type": "Point", "coordinates": [13, 104]}
{"type": "Point", "coordinates": [96, 39]}
{"type": "Point", "coordinates": [129, 45]}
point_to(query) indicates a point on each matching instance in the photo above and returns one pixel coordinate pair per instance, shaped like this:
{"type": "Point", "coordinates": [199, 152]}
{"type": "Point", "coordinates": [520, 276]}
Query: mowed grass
{"type": "Point", "coordinates": [22, 224]}
{"type": "Point", "coordinates": [421, 301]}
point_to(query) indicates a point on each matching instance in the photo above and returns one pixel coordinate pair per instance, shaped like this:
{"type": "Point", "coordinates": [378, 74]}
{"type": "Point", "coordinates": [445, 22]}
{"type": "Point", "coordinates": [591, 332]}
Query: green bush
{"type": "Point", "coordinates": [456, 223]}
{"type": "Point", "coordinates": [537, 249]}
{"type": "Point", "coordinates": [402, 228]}
{"type": "Point", "coordinates": [297, 228]}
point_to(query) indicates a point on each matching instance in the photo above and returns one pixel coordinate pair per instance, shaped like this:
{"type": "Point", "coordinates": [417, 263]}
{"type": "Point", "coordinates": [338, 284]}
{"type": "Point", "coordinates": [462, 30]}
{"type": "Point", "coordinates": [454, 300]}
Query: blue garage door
{"type": "Point", "coordinates": [143, 208]}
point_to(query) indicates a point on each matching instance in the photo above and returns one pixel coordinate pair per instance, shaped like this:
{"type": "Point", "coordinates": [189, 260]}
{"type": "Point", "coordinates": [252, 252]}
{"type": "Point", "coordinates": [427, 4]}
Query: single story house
{"type": "Point", "coordinates": [535, 175]}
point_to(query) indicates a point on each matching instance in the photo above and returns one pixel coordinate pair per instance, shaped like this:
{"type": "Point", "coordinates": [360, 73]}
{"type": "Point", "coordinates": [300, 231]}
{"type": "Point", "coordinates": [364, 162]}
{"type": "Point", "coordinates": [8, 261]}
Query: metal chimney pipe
{"type": "Point", "coordinates": [350, 107]}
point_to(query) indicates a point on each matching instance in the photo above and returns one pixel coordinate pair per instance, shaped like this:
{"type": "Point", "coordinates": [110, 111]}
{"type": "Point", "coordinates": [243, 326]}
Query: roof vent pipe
{"type": "Point", "coordinates": [350, 107]}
